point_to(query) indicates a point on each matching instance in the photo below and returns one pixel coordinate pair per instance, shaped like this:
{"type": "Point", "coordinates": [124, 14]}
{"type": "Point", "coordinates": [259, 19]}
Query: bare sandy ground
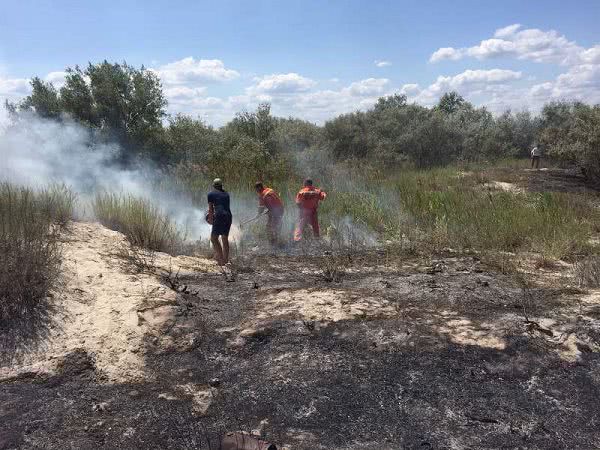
{"type": "Point", "coordinates": [104, 308]}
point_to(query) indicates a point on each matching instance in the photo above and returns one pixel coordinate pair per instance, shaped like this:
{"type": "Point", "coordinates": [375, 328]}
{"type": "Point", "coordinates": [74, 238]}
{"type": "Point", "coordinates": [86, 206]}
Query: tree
{"type": "Point", "coordinates": [189, 140]}
{"type": "Point", "coordinates": [450, 102]}
{"type": "Point", "coordinates": [43, 99]}
{"type": "Point", "coordinates": [76, 97]}
{"type": "Point", "coordinates": [128, 101]}
{"type": "Point", "coordinates": [390, 102]}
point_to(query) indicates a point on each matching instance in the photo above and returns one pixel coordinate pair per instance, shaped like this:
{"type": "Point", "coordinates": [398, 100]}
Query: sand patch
{"type": "Point", "coordinates": [504, 186]}
{"type": "Point", "coordinates": [325, 305]}
{"type": "Point", "coordinates": [104, 309]}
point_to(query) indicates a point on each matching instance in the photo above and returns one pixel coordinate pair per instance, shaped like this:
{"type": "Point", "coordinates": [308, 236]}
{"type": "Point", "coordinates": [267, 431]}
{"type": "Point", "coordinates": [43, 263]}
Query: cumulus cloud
{"type": "Point", "coordinates": [368, 87]}
{"type": "Point", "coordinates": [189, 70]}
{"type": "Point", "coordinates": [382, 63]}
{"type": "Point", "coordinates": [56, 78]}
{"type": "Point", "coordinates": [281, 83]}
{"type": "Point", "coordinates": [513, 41]}
{"type": "Point", "coordinates": [467, 83]}
{"type": "Point", "coordinates": [14, 87]}
{"type": "Point", "coordinates": [446, 53]}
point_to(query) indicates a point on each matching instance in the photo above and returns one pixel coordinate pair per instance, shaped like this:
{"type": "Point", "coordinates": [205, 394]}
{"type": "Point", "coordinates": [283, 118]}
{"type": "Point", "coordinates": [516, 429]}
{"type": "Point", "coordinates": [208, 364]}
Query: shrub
{"type": "Point", "coordinates": [30, 254]}
{"type": "Point", "coordinates": [143, 224]}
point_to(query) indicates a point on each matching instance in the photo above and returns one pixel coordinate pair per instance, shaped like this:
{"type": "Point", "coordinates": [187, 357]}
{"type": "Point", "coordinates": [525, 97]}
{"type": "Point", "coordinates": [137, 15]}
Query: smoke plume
{"type": "Point", "coordinates": [37, 152]}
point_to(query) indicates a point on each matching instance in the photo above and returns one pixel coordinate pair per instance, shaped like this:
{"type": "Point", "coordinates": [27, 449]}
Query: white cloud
{"type": "Point", "coordinates": [382, 63]}
{"type": "Point", "coordinates": [467, 83]}
{"type": "Point", "coordinates": [281, 83]}
{"type": "Point", "coordinates": [188, 70]}
{"type": "Point", "coordinates": [368, 87]}
{"type": "Point", "coordinates": [14, 87]}
{"type": "Point", "coordinates": [409, 89]}
{"type": "Point", "coordinates": [507, 31]}
{"type": "Point", "coordinates": [445, 53]}
{"type": "Point", "coordinates": [183, 92]}
{"type": "Point", "coordinates": [56, 78]}
{"type": "Point", "coordinates": [581, 82]}
{"type": "Point", "coordinates": [529, 44]}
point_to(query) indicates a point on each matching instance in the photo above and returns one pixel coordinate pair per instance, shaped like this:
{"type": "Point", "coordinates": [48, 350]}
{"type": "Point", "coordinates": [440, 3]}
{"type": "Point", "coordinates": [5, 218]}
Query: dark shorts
{"type": "Point", "coordinates": [221, 225]}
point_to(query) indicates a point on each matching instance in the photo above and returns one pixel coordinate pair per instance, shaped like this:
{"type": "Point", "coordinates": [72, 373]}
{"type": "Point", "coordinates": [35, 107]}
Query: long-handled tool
{"type": "Point", "coordinates": [252, 219]}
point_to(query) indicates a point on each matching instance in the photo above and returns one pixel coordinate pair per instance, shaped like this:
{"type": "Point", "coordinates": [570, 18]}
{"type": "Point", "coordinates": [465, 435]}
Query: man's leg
{"type": "Point", "coordinates": [217, 248]}
{"type": "Point", "coordinates": [225, 240]}
{"type": "Point", "coordinates": [532, 161]}
{"type": "Point", "coordinates": [537, 162]}
{"type": "Point", "coordinates": [314, 222]}
{"type": "Point", "coordinates": [300, 226]}
{"type": "Point", "coordinates": [274, 228]}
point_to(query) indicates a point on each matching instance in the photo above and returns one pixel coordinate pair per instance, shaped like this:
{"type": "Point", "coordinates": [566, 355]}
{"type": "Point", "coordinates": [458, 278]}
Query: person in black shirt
{"type": "Point", "coordinates": [219, 216]}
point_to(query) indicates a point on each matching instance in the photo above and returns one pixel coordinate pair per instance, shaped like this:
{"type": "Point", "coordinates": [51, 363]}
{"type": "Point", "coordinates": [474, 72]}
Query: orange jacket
{"type": "Point", "coordinates": [309, 197]}
{"type": "Point", "coordinates": [269, 199]}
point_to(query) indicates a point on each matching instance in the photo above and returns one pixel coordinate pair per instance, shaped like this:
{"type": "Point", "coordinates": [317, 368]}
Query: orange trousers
{"type": "Point", "coordinates": [307, 217]}
{"type": "Point", "coordinates": [274, 222]}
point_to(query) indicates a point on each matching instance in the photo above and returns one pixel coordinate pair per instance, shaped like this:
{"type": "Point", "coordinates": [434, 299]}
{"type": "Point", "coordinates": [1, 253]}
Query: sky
{"type": "Point", "coordinates": [314, 59]}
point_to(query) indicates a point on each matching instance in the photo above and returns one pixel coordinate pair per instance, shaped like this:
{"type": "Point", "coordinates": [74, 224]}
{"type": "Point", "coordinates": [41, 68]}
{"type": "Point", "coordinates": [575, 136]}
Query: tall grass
{"type": "Point", "coordinates": [30, 223]}
{"type": "Point", "coordinates": [463, 212]}
{"type": "Point", "coordinates": [444, 207]}
{"type": "Point", "coordinates": [143, 224]}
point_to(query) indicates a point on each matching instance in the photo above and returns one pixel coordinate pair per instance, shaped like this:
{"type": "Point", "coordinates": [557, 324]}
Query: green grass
{"type": "Point", "coordinates": [444, 207]}
{"type": "Point", "coordinates": [462, 212]}
{"type": "Point", "coordinates": [143, 224]}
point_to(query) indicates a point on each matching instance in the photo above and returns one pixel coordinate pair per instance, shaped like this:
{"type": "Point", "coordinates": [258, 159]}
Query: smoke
{"type": "Point", "coordinates": [37, 152]}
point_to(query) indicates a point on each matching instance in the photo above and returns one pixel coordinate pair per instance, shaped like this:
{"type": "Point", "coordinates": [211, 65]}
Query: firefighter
{"type": "Point", "coordinates": [307, 201]}
{"type": "Point", "coordinates": [270, 203]}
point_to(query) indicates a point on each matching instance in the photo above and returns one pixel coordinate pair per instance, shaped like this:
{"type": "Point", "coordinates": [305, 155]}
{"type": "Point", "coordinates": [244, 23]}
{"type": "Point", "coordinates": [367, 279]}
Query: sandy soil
{"type": "Point", "coordinates": [104, 308]}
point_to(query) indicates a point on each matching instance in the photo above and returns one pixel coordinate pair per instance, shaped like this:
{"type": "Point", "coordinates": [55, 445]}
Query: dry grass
{"type": "Point", "coordinates": [143, 224]}
{"type": "Point", "coordinates": [587, 272]}
{"type": "Point", "coordinates": [30, 223]}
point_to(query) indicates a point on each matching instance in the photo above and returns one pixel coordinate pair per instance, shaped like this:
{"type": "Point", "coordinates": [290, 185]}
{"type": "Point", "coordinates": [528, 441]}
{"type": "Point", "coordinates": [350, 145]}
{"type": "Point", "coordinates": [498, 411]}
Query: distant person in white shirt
{"type": "Point", "coordinates": [536, 154]}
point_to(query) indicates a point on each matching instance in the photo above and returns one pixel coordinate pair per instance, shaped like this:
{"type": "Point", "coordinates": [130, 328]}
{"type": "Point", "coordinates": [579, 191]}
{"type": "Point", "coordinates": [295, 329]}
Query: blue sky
{"type": "Point", "coordinates": [314, 59]}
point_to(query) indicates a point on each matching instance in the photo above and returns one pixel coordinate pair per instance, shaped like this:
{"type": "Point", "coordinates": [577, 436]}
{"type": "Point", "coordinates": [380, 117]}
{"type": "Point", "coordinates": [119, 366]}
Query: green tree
{"type": "Point", "coordinates": [76, 97]}
{"type": "Point", "coordinates": [450, 102]}
{"type": "Point", "coordinates": [43, 100]}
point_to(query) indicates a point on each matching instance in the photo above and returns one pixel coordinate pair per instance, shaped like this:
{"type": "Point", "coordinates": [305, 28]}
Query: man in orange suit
{"type": "Point", "coordinates": [307, 201]}
{"type": "Point", "coordinates": [270, 202]}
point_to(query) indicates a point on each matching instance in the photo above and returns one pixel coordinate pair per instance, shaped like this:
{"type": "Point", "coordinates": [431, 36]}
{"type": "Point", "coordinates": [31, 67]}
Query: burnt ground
{"type": "Point", "coordinates": [391, 354]}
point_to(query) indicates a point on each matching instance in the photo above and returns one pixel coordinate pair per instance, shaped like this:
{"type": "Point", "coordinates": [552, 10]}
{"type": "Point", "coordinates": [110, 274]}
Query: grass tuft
{"type": "Point", "coordinates": [30, 223]}
{"type": "Point", "coordinates": [143, 224]}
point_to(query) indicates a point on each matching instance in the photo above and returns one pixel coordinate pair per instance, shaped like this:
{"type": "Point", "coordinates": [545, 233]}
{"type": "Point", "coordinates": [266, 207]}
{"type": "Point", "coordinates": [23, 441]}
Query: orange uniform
{"type": "Point", "coordinates": [308, 202]}
{"type": "Point", "coordinates": [269, 199]}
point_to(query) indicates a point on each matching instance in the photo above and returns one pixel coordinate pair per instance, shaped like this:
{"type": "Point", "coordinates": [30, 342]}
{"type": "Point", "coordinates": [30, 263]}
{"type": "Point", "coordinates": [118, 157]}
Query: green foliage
{"type": "Point", "coordinates": [44, 99]}
{"type": "Point", "coordinates": [142, 223]}
{"type": "Point", "coordinates": [125, 102]}
{"type": "Point", "coordinates": [571, 132]}
{"type": "Point", "coordinates": [450, 102]}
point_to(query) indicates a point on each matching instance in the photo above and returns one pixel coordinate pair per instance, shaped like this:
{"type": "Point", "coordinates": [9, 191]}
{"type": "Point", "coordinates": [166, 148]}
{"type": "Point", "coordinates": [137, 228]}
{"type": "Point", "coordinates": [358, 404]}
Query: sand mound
{"type": "Point", "coordinates": [106, 309]}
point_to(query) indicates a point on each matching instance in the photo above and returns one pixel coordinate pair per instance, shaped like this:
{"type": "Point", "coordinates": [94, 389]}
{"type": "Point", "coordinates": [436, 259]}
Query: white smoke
{"type": "Point", "coordinates": [37, 152]}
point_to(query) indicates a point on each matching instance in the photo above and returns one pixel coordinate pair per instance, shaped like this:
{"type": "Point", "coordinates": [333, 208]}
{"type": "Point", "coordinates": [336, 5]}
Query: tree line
{"type": "Point", "coordinates": [127, 104]}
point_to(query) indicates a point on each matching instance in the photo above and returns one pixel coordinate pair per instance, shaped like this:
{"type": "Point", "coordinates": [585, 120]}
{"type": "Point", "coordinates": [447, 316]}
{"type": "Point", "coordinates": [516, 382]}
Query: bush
{"type": "Point", "coordinates": [142, 223]}
{"type": "Point", "coordinates": [30, 254]}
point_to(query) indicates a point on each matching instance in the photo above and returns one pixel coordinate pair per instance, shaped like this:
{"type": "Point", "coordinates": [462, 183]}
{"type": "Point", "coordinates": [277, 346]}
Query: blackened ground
{"type": "Point", "coordinates": [415, 378]}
